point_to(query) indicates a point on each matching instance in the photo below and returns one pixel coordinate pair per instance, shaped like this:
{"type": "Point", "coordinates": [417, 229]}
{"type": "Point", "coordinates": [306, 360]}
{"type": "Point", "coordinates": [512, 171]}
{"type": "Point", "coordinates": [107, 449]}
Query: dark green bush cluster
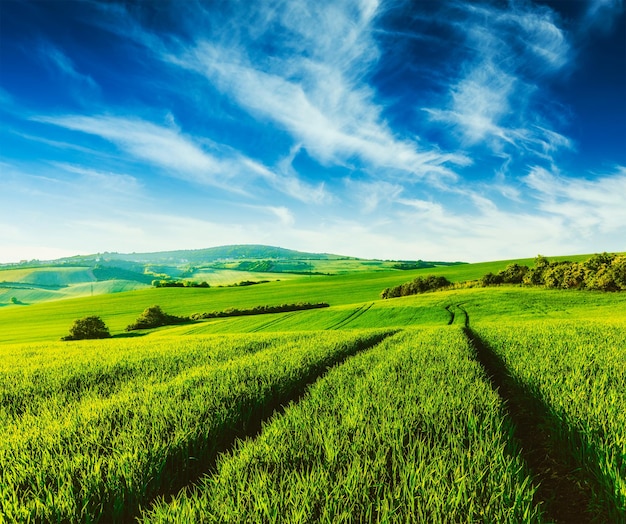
{"type": "Point", "coordinates": [603, 272]}
{"type": "Point", "coordinates": [179, 283]}
{"type": "Point", "coordinates": [259, 310]}
{"type": "Point", "coordinates": [249, 283]}
{"type": "Point", "coordinates": [88, 328]}
{"type": "Point", "coordinates": [153, 317]}
{"type": "Point", "coordinates": [513, 274]}
{"type": "Point", "coordinates": [418, 285]}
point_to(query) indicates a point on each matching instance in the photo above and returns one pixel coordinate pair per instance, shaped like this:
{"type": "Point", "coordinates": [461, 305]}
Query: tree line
{"type": "Point", "coordinates": [179, 283]}
{"type": "Point", "coordinates": [259, 310]}
{"type": "Point", "coordinates": [416, 286]}
{"type": "Point", "coordinates": [93, 327]}
{"type": "Point", "coordinates": [602, 272]}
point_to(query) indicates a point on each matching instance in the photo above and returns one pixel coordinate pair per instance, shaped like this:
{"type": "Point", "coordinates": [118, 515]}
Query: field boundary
{"type": "Point", "coordinates": [564, 489]}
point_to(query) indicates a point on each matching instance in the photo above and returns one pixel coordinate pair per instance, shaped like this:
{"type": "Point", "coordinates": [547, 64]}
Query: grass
{"type": "Point", "coordinates": [226, 277]}
{"type": "Point", "coordinates": [51, 320]}
{"type": "Point", "coordinates": [577, 370]}
{"type": "Point", "coordinates": [82, 440]}
{"type": "Point", "coordinates": [407, 432]}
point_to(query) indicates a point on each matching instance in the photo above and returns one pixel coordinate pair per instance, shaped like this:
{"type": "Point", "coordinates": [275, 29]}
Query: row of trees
{"type": "Point", "coordinates": [154, 317]}
{"type": "Point", "coordinates": [418, 285]}
{"type": "Point", "coordinates": [259, 310]}
{"type": "Point", "coordinates": [603, 272]}
{"type": "Point", "coordinates": [93, 327]}
{"type": "Point", "coordinates": [179, 283]}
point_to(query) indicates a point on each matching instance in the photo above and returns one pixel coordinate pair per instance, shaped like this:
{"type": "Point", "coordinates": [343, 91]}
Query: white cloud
{"type": "Point", "coordinates": [105, 181]}
{"type": "Point", "coordinates": [180, 155]}
{"type": "Point", "coordinates": [588, 207]}
{"type": "Point", "coordinates": [371, 194]}
{"type": "Point", "coordinates": [510, 51]}
{"type": "Point", "coordinates": [284, 215]}
{"type": "Point", "coordinates": [313, 85]}
{"type": "Point", "coordinates": [164, 147]}
{"type": "Point", "coordinates": [286, 180]}
{"type": "Point", "coordinates": [602, 14]}
{"type": "Point", "coordinates": [82, 86]}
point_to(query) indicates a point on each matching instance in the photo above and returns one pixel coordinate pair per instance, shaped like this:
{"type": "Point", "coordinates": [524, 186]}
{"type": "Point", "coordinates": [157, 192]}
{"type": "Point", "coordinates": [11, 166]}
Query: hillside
{"type": "Point", "coordinates": [102, 273]}
{"type": "Point", "coordinates": [486, 394]}
{"type": "Point", "coordinates": [207, 255]}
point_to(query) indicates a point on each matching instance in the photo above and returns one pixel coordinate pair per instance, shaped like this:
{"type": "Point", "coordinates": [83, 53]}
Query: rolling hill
{"type": "Point", "coordinates": [102, 273]}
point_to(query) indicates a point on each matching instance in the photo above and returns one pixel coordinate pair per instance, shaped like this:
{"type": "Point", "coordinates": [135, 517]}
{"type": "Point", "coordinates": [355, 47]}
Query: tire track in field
{"type": "Point", "coordinates": [451, 313]}
{"type": "Point", "coordinates": [251, 422]}
{"type": "Point", "coordinates": [351, 317]}
{"type": "Point", "coordinates": [564, 490]}
{"type": "Point", "coordinates": [274, 321]}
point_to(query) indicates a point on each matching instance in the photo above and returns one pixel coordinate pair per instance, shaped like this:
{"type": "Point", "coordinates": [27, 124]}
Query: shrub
{"type": "Point", "coordinates": [491, 280]}
{"type": "Point", "coordinates": [417, 285]}
{"type": "Point", "coordinates": [514, 274]}
{"type": "Point", "coordinates": [153, 317]}
{"type": "Point", "coordinates": [88, 328]}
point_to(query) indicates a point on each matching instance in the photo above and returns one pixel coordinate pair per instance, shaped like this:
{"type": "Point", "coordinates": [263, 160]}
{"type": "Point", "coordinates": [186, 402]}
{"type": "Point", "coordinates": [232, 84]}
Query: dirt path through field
{"type": "Point", "coordinates": [564, 491]}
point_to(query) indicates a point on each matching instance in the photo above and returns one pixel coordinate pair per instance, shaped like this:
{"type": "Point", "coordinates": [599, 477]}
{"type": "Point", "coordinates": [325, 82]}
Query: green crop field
{"type": "Point", "coordinates": [472, 404]}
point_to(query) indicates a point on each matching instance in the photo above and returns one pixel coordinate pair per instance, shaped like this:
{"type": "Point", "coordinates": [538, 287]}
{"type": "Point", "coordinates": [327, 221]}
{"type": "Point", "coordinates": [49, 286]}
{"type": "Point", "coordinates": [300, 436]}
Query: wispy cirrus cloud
{"type": "Point", "coordinates": [60, 62]}
{"type": "Point", "coordinates": [283, 214]}
{"type": "Point", "coordinates": [180, 155]}
{"type": "Point", "coordinates": [107, 181]}
{"type": "Point", "coordinates": [314, 85]}
{"type": "Point", "coordinates": [589, 206]}
{"type": "Point", "coordinates": [495, 99]}
{"type": "Point", "coordinates": [369, 195]}
{"type": "Point", "coordinates": [602, 14]}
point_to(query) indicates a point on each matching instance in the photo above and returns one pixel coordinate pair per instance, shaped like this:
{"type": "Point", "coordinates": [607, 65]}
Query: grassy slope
{"type": "Point", "coordinates": [48, 276]}
{"type": "Point", "coordinates": [42, 284]}
{"type": "Point", "coordinates": [350, 295]}
{"type": "Point", "coordinates": [51, 320]}
{"type": "Point", "coordinates": [485, 305]}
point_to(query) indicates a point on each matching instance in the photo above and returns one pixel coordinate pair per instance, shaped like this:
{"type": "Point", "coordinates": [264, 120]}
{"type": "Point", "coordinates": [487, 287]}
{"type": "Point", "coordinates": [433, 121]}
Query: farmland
{"type": "Point", "coordinates": [502, 404]}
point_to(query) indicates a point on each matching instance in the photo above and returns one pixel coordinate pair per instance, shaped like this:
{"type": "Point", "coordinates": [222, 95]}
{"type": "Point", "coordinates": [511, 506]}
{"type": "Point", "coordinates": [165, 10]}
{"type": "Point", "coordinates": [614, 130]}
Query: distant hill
{"type": "Point", "coordinates": [215, 254]}
{"type": "Point", "coordinates": [103, 273]}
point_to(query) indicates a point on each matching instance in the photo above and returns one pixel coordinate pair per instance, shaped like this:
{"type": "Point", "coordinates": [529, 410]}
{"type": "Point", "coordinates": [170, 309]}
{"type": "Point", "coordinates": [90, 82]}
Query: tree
{"type": "Point", "coordinates": [513, 274]}
{"type": "Point", "coordinates": [491, 280]}
{"type": "Point", "coordinates": [596, 262]}
{"type": "Point", "coordinates": [88, 328]}
{"type": "Point", "coordinates": [153, 317]}
{"type": "Point", "coordinates": [618, 268]}
{"type": "Point", "coordinates": [534, 276]}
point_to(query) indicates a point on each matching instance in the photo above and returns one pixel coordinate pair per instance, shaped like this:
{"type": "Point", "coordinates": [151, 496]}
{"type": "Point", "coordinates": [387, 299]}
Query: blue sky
{"type": "Point", "coordinates": [392, 129]}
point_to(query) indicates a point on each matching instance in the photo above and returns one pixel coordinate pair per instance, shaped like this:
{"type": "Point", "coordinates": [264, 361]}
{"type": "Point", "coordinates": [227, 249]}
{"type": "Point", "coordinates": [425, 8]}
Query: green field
{"type": "Point", "coordinates": [499, 404]}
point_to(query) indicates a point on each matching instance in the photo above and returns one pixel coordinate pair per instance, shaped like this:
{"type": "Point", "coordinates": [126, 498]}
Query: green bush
{"type": "Point", "coordinates": [153, 317]}
{"type": "Point", "coordinates": [88, 328]}
{"type": "Point", "coordinates": [417, 285]}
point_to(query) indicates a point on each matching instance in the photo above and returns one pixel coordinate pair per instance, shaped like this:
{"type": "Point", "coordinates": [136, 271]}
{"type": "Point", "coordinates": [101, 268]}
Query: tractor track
{"type": "Point", "coordinates": [274, 321]}
{"type": "Point", "coordinates": [252, 424]}
{"type": "Point", "coordinates": [564, 491]}
{"type": "Point", "coordinates": [351, 317]}
{"type": "Point", "coordinates": [451, 313]}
